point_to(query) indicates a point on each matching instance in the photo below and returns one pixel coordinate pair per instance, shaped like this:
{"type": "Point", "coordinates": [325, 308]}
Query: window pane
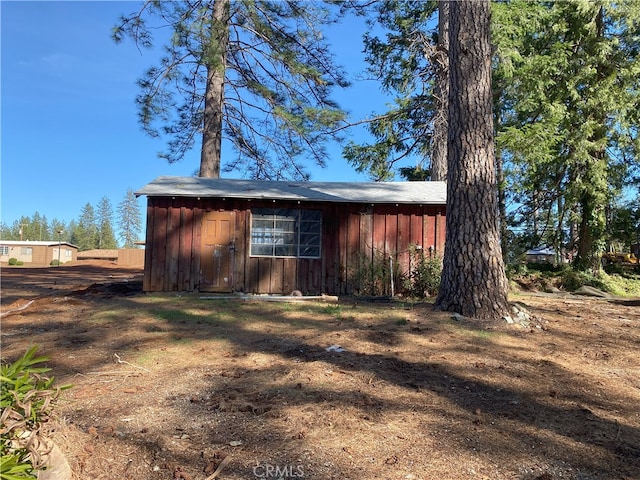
{"type": "Point", "coordinates": [262, 250]}
{"type": "Point", "coordinates": [285, 250]}
{"type": "Point", "coordinates": [307, 239]}
{"type": "Point", "coordinates": [261, 237]}
{"type": "Point", "coordinates": [306, 227]}
{"type": "Point", "coordinates": [261, 224]}
{"type": "Point", "coordinates": [313, 252]}
{"type": "Point", "coordinates": [286, 225]}
{"type": "Point", "coordinates": [285, 232]}
{"type": "Point", "coordinates": [287, 239]}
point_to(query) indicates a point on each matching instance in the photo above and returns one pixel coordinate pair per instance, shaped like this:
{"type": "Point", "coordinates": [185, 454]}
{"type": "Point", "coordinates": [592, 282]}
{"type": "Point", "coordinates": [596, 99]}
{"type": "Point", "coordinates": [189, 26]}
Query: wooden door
{"type": "Point", "coordinates": [217, 252]}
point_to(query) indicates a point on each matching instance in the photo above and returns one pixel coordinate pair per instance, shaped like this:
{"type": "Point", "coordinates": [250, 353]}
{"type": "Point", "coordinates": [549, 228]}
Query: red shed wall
{"type": "Point", "coordinates": [357, 241]}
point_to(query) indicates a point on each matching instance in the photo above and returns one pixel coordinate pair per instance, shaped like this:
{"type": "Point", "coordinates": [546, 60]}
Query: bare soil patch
{"type": "Point", "coordinates": [26, 283]}
{"type": "Point", "coordinates": [177, 386]}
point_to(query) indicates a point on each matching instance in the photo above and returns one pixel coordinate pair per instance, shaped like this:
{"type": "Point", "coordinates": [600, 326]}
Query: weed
{"type": "Point", "coordinates": [372, 275]}
{"type": "Point", "coordinates": [26, 398]}
{"type": "Point", "coordinates": [475, 333]}
{"type": "Point", "coordinates": [333, 310]}
{"type": "Point", "coordinates": [423, 279]}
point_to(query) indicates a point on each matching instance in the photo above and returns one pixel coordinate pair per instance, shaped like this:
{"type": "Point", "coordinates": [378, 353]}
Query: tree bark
{"type": "Point", "coordinates": [473, 283]}
{"type": "Point", "coordinates": [502, 205]}
{"type": "Point", "coordinates": [215, 61]}
{"type": "Point", "coordinates": [441, 93]}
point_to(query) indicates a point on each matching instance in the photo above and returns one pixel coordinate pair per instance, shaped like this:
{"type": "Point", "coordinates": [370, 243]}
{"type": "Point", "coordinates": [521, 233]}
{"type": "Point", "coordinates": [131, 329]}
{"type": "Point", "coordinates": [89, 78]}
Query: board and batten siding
{"type": "Point", "coordinates": [354, 237]}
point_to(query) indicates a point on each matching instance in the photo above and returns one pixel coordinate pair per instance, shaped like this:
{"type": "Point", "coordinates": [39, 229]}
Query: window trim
{"type": "Point", "coordinates": [294, 216]}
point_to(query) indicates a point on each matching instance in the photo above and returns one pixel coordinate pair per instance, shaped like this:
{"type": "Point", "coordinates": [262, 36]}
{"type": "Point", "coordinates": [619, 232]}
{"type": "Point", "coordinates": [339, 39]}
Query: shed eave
{"type": "Point", "coordinates": [414, 193]}
{"type": "Point", "coordinates": [305, 200]}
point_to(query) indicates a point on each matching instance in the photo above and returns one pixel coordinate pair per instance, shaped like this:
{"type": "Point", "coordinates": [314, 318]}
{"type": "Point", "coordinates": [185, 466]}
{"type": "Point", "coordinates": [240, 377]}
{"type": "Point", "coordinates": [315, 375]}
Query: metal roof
{"type": "Point", "coordinates": [342, 192]}
{"type": "Point", "coordinates": [541, 251]}
{"type": "Point", "coordinates": [34, 243]}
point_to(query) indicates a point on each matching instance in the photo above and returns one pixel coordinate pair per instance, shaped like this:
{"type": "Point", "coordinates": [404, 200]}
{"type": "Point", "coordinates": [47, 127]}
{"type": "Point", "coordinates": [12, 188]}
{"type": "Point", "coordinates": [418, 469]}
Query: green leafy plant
{"type": "Point", "coordinates": [372, 275]}
{"type": "Point", "coordinates": [516, 269]}
{"type": "Point", "coordinates": [574, 279]}
{"type": "Point", "coordinates": [423, 278]}
{"type": "Point", "coordinates": [14, 261]}
{"type": "Point", "coordinates": [333, 310]}
{"type": "Point", "coordinates": [27, 397]}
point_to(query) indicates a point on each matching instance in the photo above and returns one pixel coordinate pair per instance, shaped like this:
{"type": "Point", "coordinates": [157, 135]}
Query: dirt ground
{"type": "Point", "coordinates": [195, 387]}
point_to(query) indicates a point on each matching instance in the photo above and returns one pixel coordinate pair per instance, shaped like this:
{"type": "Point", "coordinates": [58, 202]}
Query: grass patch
{"type": "Point", "coordinates": [624, 285]}
{"type": "Point", "coordinates": [106, 317]}
{"type": "Point", "coordinates": [332, 310]}
{"type": "Point", "coordinates": [478, 333]}
{"type": "Point", "coordinates": [174, 316]}
{"type": "Point", "coordinates": [619, 283]}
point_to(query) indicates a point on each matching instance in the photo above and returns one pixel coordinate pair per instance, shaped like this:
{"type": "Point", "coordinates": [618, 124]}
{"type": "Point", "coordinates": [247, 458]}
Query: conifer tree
{"type": "Point", "coordinates": [473, 282]}
{"type": "Point", "coordinates": [571, 113]}
{"type": "Point", "coordinates": [39, 227]}
{"type": "Point", "coordinates": [129, 220]}
{"type": "Point", "coordinates": [85, 233]}
{"type": "Point", "coordinates": [32, 228]}
{"type": "Point", "coordinates": [410, 61]}
{"type": "Point", "coordinates": [104, 221]}
{"type": "Point", "coordinates": [59, 231]}
{"type": "Point", "coordinates": [256, 72]}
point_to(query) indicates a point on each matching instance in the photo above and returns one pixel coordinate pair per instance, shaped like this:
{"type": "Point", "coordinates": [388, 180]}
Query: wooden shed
{"type": "Point", "coordinates": [268, 237]}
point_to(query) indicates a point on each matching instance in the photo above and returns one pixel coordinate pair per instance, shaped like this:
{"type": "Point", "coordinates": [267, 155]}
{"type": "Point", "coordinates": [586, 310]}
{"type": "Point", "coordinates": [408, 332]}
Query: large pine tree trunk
{"type": "Point", "coordinates": [441, 93]}
{"type": "Point", "coordinates": [502, 205]}
{"type": "Point", "coordinates": [215, 60]}
{"type": "Point", "coordinates": [473, 283]}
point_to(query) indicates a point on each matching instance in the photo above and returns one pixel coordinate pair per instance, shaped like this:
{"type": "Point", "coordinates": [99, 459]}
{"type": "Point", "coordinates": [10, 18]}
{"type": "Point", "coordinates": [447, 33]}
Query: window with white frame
{"type": "Point", "coordinates": [26, 251]}
{"type": "Point", "coordinates": [281, 232]}
{"type": "Point", "coordinates": [4, 250]}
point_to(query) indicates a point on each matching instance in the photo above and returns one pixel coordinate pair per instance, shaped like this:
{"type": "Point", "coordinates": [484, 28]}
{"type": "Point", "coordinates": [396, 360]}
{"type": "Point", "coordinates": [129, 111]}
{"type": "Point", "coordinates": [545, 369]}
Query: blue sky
{"type": "Point", "coordinates": [69, 129]}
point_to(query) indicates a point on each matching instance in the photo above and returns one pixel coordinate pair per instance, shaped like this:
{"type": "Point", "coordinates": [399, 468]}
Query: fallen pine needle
{"type": "Point", "coordinates": [133, 373]}
{"type": "Point", "coordinates": [119, 360]}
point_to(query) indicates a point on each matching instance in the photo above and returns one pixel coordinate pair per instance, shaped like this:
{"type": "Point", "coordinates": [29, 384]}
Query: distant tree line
{"type": "Point", "coordinates": [94, 227]}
